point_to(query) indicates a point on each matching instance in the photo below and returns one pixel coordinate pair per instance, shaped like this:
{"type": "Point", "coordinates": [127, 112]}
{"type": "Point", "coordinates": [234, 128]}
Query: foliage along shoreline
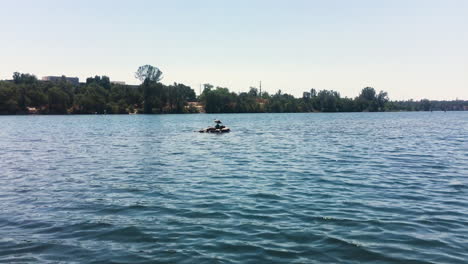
{"type": "Point", "coordinates": [25, 94]}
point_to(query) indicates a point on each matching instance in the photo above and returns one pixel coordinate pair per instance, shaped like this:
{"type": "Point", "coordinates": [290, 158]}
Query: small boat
{"type": "Point", "coordinates": [217, 129]}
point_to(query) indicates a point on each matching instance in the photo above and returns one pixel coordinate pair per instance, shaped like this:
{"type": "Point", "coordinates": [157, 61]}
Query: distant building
{"type": "Point", "coordinates": [72, 80]}
{"type": "Point", "coordinates": [32, 110]}
{"type": "Point", "coordinates": [117, 82]}
{"type": "Point", "coordinates": [195, 105]}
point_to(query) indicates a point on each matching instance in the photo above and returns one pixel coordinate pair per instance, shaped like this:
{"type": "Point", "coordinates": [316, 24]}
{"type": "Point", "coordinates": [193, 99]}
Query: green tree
{"type": "Point", "coordinates": [219, 100]}
{"type": "Point", "coordinates": [24, 78]}
{"type": "Point", "coordinates": [328, 101]}
{"type": "Point", "coordinates": [382, 99]}
{"type": "Point", "coordinates": [8, 99]}
{"type": "Point", "coordinates": [426, 105]}
{"type": "Point", "coordinates": [58, 101]}
{"type": "Point", "coordinates": [102, 81]}
{"type": "Point", "coordinates": [148, 72]}
{"type": "Point", "coordinates": [367, 100]}
{"type": "Point", "coordinates": [92, 99]}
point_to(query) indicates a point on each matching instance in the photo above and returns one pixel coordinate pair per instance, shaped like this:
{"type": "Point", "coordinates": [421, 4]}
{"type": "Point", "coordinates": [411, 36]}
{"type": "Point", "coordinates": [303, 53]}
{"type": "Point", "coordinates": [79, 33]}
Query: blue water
{"type": "Point", "coordinates": [281, 188]}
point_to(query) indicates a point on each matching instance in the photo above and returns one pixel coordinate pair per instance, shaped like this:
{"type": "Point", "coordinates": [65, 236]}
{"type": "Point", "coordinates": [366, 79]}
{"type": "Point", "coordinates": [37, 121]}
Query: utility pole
{"type": "Point", "coordinates": [260, 94]}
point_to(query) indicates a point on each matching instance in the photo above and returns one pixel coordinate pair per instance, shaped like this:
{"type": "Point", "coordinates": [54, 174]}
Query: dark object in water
{"type": "Point", "coordinates": [217, 129]}
{"type": "Point", "coordinates": [222, 129]}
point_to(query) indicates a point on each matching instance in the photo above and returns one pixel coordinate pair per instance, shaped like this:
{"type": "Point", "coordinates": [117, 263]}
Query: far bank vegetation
{"type": "Point", "coordinates": [98, 95]}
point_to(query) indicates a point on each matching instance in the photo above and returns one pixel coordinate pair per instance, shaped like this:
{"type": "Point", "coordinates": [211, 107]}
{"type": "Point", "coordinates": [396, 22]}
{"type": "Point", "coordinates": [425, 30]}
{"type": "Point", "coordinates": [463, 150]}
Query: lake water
{"type": "Point", "coordinates": [280, 188]}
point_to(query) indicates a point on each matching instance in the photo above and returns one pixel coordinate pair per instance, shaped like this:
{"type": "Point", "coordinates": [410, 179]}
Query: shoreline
{"type": "Point", "coordinates": [139, 114]}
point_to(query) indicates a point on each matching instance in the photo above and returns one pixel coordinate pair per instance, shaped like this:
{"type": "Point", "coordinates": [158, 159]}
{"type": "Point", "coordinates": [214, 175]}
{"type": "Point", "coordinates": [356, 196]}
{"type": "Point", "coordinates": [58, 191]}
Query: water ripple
{"type": "Point", "coordinates": [300, 188]}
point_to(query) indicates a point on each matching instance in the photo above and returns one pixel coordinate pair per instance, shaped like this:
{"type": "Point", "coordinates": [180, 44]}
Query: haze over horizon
{"type": "Point", "coordinates": [411, 49]}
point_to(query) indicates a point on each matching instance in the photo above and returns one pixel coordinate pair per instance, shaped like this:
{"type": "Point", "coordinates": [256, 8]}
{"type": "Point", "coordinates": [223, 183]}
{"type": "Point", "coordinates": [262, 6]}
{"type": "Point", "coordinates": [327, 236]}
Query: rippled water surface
{"type": "Point", "coordinates": [281, 188]}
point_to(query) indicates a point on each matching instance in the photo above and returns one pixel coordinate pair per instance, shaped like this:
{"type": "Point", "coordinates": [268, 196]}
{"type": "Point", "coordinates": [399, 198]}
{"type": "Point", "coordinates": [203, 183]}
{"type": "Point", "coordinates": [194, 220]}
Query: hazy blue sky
{"type": "Point", "coordinates": [409, 48]}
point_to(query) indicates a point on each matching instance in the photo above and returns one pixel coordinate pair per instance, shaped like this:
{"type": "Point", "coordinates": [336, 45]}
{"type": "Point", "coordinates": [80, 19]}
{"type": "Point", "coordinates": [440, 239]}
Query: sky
{"type": "Point", "coordinates": [412, 49]}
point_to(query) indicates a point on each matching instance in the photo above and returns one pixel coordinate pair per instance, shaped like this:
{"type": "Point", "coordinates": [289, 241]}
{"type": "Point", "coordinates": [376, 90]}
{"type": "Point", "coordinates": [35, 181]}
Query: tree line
{"type": "Point", "coordinates": [98, 95]}
{"type": "Point", "coordinates": [221, 100]}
